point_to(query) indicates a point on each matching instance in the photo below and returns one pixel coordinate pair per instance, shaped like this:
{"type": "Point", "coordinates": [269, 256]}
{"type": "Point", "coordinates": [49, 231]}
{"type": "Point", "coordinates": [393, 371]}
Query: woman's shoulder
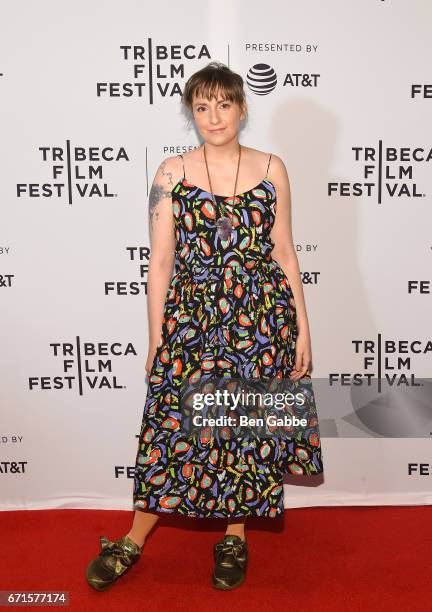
{"type": "Point", "coordinates": [171, 167]}
{"type": "Point", "coordinates": [178, 165]}
{"type": "Point", "coordinates": [171, 160]}
{"type": "Point", "coordinates": [268, 160]}
{"type": "Point", "coordinates": [261, 155]}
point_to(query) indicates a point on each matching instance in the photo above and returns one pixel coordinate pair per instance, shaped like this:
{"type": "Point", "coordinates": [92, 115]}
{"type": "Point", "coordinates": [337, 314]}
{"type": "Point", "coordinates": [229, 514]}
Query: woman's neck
{"type": "Point", "coordinates": [222, 152]}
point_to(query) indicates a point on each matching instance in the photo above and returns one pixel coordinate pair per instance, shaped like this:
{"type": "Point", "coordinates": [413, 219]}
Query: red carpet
{"type": "Point", "coordinates": [326, 559]}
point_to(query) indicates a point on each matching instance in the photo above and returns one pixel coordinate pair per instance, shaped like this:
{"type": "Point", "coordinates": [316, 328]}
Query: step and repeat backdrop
{"type": "Point", "coordinates": [90, 106]}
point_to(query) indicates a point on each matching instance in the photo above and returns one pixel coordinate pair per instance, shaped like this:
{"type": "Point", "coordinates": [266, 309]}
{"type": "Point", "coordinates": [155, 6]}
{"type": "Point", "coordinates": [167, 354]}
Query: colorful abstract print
{"type": "Point", "coordinates": [229, 310]}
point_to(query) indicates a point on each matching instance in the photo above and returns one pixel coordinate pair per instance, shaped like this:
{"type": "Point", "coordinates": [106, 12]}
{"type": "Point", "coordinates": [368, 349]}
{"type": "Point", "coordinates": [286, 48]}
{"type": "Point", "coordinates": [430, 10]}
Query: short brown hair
{"type": "Point", "coordinates": [215, 77]}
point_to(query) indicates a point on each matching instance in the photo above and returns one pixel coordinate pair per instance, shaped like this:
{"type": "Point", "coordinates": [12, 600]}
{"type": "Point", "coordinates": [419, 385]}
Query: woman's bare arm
{"type": "Point", "coordinates": [162, 245]}
{"type": "Point", "coordinates": [284, 253]}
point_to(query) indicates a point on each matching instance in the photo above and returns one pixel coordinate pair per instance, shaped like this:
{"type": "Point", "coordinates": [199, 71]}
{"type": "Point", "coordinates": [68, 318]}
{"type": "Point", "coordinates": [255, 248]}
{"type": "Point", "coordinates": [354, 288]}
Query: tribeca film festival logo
{"type": "Point", "coordinates": [386, 171]}
{"type": "Point", "coordinates": [262, 79]}
{"type": "Point", "coordinates": [140, 256]}
{"type": "Point", "coordinates": [390, 360]}
{"type": "Point", "coordinates": [86, 366]}
{"type": "Point", "coordinates": [76, 172]}
{"type": "Point", "coordinates": [156, 70]}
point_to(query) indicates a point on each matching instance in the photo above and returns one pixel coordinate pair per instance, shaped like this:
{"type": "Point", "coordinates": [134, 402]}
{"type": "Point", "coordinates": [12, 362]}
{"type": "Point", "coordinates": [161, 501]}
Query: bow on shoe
{"type": "Point", "coordinates": [117, 550]}
{"type": "Point", "coordinates": [229, 553]}
{"type": "Point", "coordinates": [105, 543]}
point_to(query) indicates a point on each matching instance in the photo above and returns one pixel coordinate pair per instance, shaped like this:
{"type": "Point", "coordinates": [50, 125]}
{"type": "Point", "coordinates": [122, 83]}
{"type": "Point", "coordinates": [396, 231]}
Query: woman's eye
{"type": "Point", "coordinates": [227, 104]}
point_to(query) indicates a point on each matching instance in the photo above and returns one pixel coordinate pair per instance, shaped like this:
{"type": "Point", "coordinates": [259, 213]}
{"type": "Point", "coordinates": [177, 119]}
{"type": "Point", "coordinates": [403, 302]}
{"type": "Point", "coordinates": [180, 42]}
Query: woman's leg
{"type": "Point", "coordinates": [231, 557]}
{"type": "Point", "coordinates": [236, 526]}
{"type": "Point", "coordinates": [142, 525]}
{"type": "Point", "coordinates": [117, 557]}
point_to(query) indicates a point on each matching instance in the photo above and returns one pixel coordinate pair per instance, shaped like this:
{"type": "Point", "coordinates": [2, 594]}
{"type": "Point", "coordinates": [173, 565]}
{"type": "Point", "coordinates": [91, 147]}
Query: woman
{"type": "Point", "coordinates": [228, 310]}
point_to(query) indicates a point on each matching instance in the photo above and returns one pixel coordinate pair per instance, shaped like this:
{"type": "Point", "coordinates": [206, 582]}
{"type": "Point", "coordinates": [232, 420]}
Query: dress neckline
{"type": "Point", "coordinates": [224, 197]}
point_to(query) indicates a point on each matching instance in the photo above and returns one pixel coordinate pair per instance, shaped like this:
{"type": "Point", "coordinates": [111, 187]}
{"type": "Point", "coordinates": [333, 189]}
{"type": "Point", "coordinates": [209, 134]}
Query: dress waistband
{"type": "Point", "coordinates": [246, 268]}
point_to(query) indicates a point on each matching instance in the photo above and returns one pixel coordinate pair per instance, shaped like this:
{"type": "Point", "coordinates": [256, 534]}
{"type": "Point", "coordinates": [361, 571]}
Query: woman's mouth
{"type": "Point", "coordinates": [218, 130]}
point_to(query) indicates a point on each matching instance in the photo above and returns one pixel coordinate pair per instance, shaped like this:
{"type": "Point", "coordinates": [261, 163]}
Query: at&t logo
{"type": "Point", "coordinates": [262, 79]}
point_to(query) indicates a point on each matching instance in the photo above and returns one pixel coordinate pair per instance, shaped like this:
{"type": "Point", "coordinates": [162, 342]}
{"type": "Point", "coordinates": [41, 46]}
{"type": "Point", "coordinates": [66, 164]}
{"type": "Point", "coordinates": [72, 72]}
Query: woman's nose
{"type": "Point", "coordinates": [214, 116]}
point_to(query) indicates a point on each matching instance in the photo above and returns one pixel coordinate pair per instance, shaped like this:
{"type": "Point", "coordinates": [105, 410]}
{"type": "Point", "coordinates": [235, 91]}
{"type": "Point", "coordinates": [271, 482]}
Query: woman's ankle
{"type": "Point", "coordinates": [236, 527]}
{"type": "Point", "coordinates": [236, 532]}
{"type": "Point", "coordinates": [138, 541]}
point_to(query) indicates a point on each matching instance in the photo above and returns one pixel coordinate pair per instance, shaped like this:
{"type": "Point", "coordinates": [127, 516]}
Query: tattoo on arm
{"type": "Point", "coordinates": [164, 173]}
{"type": "Point", "coordinates": [157, 193]}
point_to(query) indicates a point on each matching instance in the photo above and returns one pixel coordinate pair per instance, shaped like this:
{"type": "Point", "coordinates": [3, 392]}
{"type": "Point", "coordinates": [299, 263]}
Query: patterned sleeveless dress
{"type": "Point", "coordinates": [229, 310]}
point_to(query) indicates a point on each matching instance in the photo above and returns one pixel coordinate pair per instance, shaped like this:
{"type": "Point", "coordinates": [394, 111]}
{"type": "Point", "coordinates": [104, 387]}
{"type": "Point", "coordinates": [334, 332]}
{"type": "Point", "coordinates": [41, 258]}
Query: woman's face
{"type": "Point", "coordinates": [218, 120]}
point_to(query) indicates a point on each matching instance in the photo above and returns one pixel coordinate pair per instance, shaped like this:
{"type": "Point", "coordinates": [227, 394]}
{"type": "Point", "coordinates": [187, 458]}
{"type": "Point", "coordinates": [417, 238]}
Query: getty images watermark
{"type": "Point", "coordinates": [368, 407]}
{"type": "Point", "coordinates": [249, 408]}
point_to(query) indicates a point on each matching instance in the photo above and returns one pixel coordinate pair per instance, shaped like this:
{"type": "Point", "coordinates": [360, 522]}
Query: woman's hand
{"type": "Point", "coordinates": [303, 355]}
{"type": "Point", "coordinates": [150, 358]}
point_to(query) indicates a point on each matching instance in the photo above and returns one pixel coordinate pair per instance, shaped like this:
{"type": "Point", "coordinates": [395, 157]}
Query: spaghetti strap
{"type": "Point", "coordinates": [184, 176]}
{"type": "Point", "coordinates": [268, 165]}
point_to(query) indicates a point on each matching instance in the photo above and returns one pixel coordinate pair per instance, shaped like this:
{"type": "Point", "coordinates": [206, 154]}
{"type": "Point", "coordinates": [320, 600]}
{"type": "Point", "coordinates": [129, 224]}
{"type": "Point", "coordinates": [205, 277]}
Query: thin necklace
{"type": "Point", "coordinates": [223, 224]}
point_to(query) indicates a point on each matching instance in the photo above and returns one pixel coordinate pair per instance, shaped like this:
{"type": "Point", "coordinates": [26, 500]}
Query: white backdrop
{"type": "Point", "coordinates": [90, 105]}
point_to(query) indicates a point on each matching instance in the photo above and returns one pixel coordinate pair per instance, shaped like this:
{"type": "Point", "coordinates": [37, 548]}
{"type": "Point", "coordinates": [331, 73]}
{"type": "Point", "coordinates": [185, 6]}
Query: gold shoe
{"type": "Point", "coordinates": [231, 557]}
{"type": "Point", "coordinates": [113, 561]}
